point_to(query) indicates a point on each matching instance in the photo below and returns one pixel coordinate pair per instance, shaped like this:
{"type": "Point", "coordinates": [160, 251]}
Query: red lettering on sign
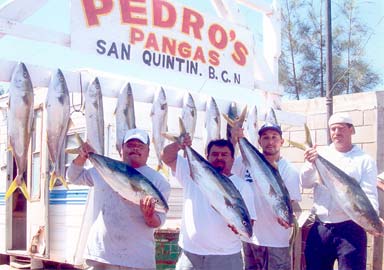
{"type": "Point", "coordinates": [152, 42]}
{"type": "Point", "coordinates": [184, 50]}
{"type": "Point", "coordinates": [192, 20]}
{"type": "Point", "coordinates": [158, 14]}
{"type": "Point", "coordinates": [133, 11]}
{"type": "Point", "coordinates": [240, 54]}
{"type": "Point", "coordinates": [213, 58]}
{"type": "Point", "coordinates": [169, 46]}
{"type": "Point", "coordinates": [92, 11]}
{"type": "Point", "coordinates": [199, 55]}
{"type": "Point", "coordinates": [217, 36]}
{"type": "Point", "coordinates": [136, 35]}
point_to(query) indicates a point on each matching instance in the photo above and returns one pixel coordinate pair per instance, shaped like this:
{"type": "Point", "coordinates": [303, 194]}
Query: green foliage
{"type": "Point", "coordinates": [302, 62]}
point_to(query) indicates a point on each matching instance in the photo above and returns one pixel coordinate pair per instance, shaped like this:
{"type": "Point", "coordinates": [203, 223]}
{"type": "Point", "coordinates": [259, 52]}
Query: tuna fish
{"type": "Point", "coordinates": [189, 114]}
{"type": "Point", "coordinates": [218, 189]}
{"type": "Point", "coordinates": [126, 181]}
{"type": "Point", "coordinates": [252, 127]}
{"type": "Point", "coordinates": [267, 178]}
{"type": "Point", "coordinates": [212, 122]}
{"type": "Point", "coordinates": [125, 114]}
{"type": "Point", "coordinates": [94, 116]}
{"type": "Point", "coordinates": [20, 121]}
{"type": "Point", "coordinates": [346, 191]}
{"type": "Point", "coordinates": [159, 116]}
{"type": "Point", "coordinates": [58, 118]}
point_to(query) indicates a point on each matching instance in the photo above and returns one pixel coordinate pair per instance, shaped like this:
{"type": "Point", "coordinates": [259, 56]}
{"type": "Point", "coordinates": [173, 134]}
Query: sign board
{"type": "Point", "coordinates": [160, 34]}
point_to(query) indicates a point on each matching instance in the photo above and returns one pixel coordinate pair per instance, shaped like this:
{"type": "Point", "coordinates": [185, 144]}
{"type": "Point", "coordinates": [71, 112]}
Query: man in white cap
{"type": "Point", "coordinates": [122, 235]}
{"type": "Point", "coordinates": [334, 236]}
{"type": "Point", "coordinates": [269, 247]}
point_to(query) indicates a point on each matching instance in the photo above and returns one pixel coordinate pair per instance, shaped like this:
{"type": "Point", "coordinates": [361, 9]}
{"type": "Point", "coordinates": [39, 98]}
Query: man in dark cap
{"type": "Point", "coordinates": [269, 249]}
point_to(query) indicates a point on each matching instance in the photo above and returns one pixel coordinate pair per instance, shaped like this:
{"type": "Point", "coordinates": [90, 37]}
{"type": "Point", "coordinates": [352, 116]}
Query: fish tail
{"type": "Point", "coordinates": [52, 180]}
{"type": "Point", "coordinates": [173, 138]}
{"type": "Point", "coordinates": [63, 181]}
{"type": "Point", "coordinates": [163, 169]}
{"type": "Point", "coordinates": [236, 122]}
{"type": "Point", "coordinates": [24, 190]}
{"type": "Point", "coordinates": [77, 149]}
{"type": "Point", "coordinates": [14, 185]}
{"type": "Point", "coordinates": [308, 140]}
{"type": "Point", "coordinates": [293, 235]}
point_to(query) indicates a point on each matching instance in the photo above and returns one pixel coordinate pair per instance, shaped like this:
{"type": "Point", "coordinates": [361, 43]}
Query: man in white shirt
{"type": "Point", "coordinates": [334, 236]}
{"type": "Point", "coordinates": [122, 235]}
{"type": "Point", "coordinates": [206, 241]}
{"type": "Point", "coordinates": [269, 247]}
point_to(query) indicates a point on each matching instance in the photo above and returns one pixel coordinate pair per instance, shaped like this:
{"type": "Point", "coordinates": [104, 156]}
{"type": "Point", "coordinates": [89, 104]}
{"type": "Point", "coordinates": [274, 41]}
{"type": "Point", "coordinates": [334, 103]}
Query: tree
{"type": "Point", "coordinates": [302, 62]}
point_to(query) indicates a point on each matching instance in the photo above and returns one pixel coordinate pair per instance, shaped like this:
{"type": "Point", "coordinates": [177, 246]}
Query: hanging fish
{"type": "Point", "coordinates": [94, 116]}
{"type": "Point", "coordinates": [57, 106]}
{"type": "Point", "coordinates": [20, 122]}
{"type": "Point", "coordinates": [124, 114]}
{"type": "Point", "coordinates": [212, 122]}
{"type": "Point", "coordinates": [189, 114]}
{"type": "Point", "coordinates": [159, 116]}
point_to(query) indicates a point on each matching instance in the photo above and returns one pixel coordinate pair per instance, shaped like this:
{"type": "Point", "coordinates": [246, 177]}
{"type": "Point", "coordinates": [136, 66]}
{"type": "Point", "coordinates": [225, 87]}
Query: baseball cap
{"type": "Point", "coordinates": [270, 126]}
{"type": "Point", "coordinates": [341, 118]}
{"type": "Point", "coordinates": [138, 134]}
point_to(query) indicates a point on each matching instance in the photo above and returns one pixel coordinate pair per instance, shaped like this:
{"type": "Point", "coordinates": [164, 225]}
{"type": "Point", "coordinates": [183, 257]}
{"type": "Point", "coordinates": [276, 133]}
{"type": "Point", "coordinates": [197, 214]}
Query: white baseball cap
{"type": "Point", "coordinates": [341, 118]}
{"type": "Point", "coordinates": [138, 134]}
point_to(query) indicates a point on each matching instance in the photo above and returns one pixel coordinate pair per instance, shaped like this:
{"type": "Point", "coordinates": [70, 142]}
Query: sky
{"type": "Point", "coordinates": [55, 15]}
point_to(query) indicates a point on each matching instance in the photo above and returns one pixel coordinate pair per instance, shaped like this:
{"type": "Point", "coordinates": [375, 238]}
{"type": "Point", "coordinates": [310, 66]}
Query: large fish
{"type": "Point", "coordinates": [159, 116]}
{"type": "Point", "coordinates": [189, 114]}
{"type": "Point", "coordinates": [233, 115]}
{"type": "Point", "coordinates": [20, 121]}
{"type": "Point", "coordinates": [266, 177]}
{"type": "Point", "coordinates": [252, 126]}
{"type": "Point", "coordinates": [218, 189]}
{"type": "Point", "coordinates": [346, 191]}
{"type": "Point", "coordinates": [125, 114]}
{"type": "Point", "coordinates": [212, 122]}
{"type": "Point", "coordinates": [57, 106]}
{"type": "Point", "coordinates": [125, 180]}
{"type": "Point", "coordinates": [94, 116]}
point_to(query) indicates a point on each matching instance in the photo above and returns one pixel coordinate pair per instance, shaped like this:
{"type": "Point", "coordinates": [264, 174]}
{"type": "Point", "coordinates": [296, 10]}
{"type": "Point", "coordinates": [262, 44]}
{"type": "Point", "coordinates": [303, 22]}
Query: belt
{"type": "Point", "coordinates": [333, 225]}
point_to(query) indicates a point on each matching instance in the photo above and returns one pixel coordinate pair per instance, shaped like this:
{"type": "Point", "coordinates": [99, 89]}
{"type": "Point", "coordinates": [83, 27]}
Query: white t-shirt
{"type": "Point", "coordinates": [119, 235]}
{"type": "Point", "coordinates": [204, 231]}
{"type": "Point", "coordinates": [356, 164]}
{"type": "Point", "coordinates": [266, 230]}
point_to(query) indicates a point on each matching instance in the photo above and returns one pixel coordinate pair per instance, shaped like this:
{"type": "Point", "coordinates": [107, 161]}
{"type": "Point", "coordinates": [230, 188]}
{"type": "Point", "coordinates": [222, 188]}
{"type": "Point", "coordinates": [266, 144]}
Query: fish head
{"type": "Point", "coordinates": [284, 211]}
{"type": "Point", "coordinates": [244, 226]}
{"type": "Point", "coordinates": [21, 78]}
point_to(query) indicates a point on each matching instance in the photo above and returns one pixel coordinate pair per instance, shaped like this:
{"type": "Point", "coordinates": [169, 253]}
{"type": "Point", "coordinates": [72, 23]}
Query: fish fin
{"type": "Point", "coordinates": [11, 189]}
{"type": "Point", "coordinates": [24, 190]}
{"type": "Point", "coordinates": [52, 180]}
{"type": "Point", "coordinates": [163, 169]}
{"type": "Point", "coordinates": [298, 145]}
{"type": "Point", "coordinates": [308, 140]}
{"type": "Point", "coordinates": [237, 122]}
{"type": "Point", "coordinates": [72, 150]}
{"type": "Point", "coordinates": [242, 117]}
{"type": "Point", "coordinates": [79, 139]}
{"type": "Point", "coordinates": [63, 181]}
{"type": "Point", "coordinates": [169, 137]}
{"type": "Point", "coordinates": [228, 202]}
{"type": "Point", "coordinates": [293, 235]}
{"type": "Point", "coordinates": [229, 120]}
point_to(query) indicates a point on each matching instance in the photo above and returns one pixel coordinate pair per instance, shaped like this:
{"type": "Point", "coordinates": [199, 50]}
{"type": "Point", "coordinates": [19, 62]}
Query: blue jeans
{"type": "Point", "coordinates": [345, 242]}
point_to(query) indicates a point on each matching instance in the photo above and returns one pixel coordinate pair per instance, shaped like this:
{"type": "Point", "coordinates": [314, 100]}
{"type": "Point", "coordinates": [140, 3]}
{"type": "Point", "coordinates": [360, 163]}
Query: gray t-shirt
{"type": "Point", "coordinates": [119, 235]}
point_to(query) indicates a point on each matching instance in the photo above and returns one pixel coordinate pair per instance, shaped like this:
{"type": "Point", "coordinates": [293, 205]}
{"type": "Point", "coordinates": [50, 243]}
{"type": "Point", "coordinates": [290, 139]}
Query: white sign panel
{"type": "Point", "coordinates": [159, 34]}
